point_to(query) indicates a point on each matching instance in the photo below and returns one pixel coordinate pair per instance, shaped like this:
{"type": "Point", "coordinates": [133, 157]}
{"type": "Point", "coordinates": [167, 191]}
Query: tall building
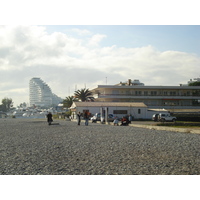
{"type": "Point", "coordinates": [40, 94]}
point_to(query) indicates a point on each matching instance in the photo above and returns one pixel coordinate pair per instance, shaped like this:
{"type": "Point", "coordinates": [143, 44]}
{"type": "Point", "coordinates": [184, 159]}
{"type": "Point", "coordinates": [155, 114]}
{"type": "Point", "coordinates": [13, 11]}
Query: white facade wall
{"type": "Point", "coordinates": [144, 113]}
{"type": "Point", "coordinates": [40, 94]}
{"type": "Point", "coordinates": [119, 109]}
{"type": "Point", "coordinates": [137, 113]}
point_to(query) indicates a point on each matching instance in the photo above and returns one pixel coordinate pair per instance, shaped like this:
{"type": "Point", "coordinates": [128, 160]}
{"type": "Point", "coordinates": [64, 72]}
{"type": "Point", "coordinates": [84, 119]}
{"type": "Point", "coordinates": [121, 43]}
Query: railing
{"type": "Point", "coordinates": [142, 95]}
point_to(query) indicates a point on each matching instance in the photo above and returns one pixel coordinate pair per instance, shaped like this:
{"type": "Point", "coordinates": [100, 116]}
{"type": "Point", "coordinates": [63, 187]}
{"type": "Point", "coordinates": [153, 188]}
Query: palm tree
{"type": "Point", "coordinates": [68, 101]}
{"type": "Point", "coordinates": [83, 95]}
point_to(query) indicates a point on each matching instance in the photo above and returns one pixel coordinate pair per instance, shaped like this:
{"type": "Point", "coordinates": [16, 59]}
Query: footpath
{"type": "Point", "coordinates": [152, 125]}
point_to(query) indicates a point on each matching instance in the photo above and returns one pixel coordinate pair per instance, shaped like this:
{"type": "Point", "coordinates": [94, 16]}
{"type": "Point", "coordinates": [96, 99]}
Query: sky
{"type": "Point", "coordinates": [78, 44]}
{"type": "Point", "coordinates": [71, 57]}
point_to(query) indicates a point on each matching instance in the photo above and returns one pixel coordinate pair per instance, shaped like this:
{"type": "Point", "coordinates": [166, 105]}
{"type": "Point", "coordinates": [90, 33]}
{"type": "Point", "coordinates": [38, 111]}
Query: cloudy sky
{"type": "Point", "coordinates": [71, 57]}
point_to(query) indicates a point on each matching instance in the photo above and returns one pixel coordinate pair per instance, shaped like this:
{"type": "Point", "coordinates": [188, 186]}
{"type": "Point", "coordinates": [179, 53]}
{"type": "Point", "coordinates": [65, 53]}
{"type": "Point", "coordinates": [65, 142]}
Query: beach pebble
{"type": "Point", "coordinates": [31, 146]}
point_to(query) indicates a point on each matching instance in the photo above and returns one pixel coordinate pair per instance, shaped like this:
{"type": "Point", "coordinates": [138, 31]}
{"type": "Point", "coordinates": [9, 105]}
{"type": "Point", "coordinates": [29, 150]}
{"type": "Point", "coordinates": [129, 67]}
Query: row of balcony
{"type": "Point", "coordinates": [143, 95]}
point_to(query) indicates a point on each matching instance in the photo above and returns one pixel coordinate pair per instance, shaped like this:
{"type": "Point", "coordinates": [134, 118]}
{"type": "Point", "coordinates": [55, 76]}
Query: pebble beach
{"type": "Point", "coordinates": [32, 147]}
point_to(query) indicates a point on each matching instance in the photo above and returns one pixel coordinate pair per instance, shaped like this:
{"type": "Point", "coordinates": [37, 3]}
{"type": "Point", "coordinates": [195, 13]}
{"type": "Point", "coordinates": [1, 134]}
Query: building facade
{"type": "Point", "coordinates": [40, 94]}
{"type": "Point", "coordinates": [117, 109]}
{"type": "Point", "coordinates": [182, 96]}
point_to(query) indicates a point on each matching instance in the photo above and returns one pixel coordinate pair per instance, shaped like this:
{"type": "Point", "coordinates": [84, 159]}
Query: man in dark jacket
{"type": "Point", "coordinates": [49, 118]}
{"type": "Point", "coordinates": [79, 118]}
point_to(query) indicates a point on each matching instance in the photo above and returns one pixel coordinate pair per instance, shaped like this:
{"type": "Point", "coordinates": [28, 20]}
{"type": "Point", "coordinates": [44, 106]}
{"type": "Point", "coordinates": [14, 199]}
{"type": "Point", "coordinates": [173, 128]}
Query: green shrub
{"type": "Point", "coordinates": [188, 117]}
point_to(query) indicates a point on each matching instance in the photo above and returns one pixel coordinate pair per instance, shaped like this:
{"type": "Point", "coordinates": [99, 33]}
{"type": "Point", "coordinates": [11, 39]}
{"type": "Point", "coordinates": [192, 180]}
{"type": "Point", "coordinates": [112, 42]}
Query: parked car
{"type": "Point", "coordinates": [97, 117]}
{"type": "Point", "coordinates": [162, 117]}
{"type": "Point", "coordinates": [155, 117]}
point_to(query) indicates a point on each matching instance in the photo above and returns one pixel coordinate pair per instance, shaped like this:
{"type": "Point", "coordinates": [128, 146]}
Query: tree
{"type": "Point", "coordinates": [197, 83]}
{"type": "Point", "coordinates": [68, 101]}
{"type": "Point", "coordinates": [6, 104]}
{"type": "Point", "coordinates": [84, 95]}
{"type": "Point", "coordinates": [23, 105]}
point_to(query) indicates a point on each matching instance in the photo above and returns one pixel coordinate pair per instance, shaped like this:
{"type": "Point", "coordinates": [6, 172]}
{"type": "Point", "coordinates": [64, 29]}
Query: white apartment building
{"type": "Point", "coordinates": [182, 96]}
{"type": "Point", "coordinates": [40, 94]}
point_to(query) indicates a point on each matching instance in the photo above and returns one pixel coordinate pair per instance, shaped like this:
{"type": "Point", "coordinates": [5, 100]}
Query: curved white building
{"type": "Point", "coordinates": [40, 94]}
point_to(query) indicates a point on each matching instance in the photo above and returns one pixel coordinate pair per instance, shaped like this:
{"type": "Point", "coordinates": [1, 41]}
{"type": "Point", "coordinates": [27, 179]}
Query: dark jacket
{"type": "Point", "coordinates": [49, 117]}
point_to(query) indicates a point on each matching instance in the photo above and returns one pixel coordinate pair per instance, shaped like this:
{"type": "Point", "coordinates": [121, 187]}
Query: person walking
{"type": "Point", "coordinates": [86, 117]}
{"type": "Point", "coordinates": [130, 118]}
{"type": "Point", "coordinates": [49, 118]}
{"type": "Point", "coordinates": [79, 118]}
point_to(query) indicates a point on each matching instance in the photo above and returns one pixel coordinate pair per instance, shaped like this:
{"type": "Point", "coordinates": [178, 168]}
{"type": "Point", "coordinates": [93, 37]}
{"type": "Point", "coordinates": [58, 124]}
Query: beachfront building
{"type": "Point", "coordinates": [40, 94]}
{"type": "Point", "coordinates": [182, 96]}
{"type": "Point", "coordinates": [117, 109]}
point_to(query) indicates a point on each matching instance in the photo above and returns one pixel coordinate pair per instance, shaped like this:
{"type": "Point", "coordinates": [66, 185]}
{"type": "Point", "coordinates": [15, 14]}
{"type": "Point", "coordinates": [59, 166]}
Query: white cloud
{"type": "Point", "coordinates": [96, 39]}
{"type": "Point", "coordinates": [65, 62]}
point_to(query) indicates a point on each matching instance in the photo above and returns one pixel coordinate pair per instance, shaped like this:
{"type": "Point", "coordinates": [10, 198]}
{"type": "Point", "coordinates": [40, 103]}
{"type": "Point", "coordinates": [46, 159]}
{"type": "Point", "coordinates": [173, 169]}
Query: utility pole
{"type": "Point", "coordinates": [69, 91]}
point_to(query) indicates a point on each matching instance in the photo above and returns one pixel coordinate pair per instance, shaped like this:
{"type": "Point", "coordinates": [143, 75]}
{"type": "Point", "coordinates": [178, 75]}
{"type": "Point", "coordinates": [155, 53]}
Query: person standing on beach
{"type": "Point", "coordinates": [79, 118]}
{"type": "Point", "coordinates": [49, 118]}
{"type": "Point", "coordinates": [115, 122]}
{"type": "Point", "coordinates": [86, 117]}
{"type": "Point", "coordinates": [130, 118]}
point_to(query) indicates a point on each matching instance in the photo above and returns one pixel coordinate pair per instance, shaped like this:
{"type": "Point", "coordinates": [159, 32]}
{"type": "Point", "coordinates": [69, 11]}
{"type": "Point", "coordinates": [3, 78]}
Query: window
{"type": "Point", "coordinates": [116, 112]}
{"type": "Point", "coordinates": [139, 111]}
{"type": "Point", "coordinates": [172, 93]}
{"type": "Point", "coordinates": [115, 92]}
{"type": "Point", "coordinates": [85, 111]}
{"type": "Point", "coordinates": [138, 93]}
{"type": "Point", "coordinates": [188, 93]}
{"type": "Point", "coordinates": [153, 93]}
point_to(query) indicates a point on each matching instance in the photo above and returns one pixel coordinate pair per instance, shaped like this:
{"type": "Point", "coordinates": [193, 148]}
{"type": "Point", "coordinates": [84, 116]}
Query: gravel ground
{"type": "Point", "coordinates": [32, 147]}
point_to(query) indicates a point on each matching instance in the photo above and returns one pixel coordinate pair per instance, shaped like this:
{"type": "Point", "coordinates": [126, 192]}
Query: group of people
{"type": "Point", "coordinates": [86, 116]}
{"type": "Point", "coordinates": [125, 121]}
